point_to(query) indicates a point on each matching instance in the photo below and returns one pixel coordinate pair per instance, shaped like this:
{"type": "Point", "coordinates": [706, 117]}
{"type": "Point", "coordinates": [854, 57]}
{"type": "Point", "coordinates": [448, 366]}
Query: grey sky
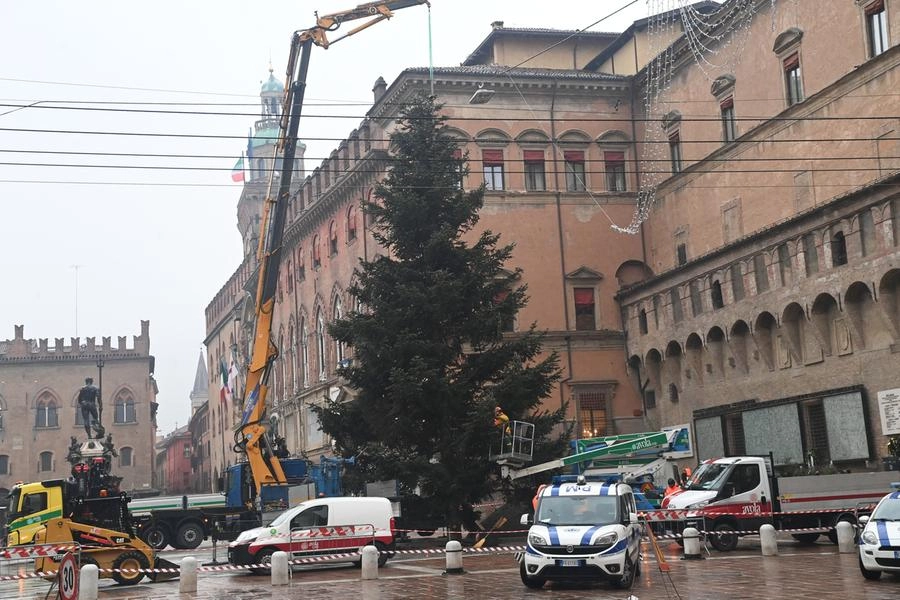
{"type": "Point", "coordinates": [160, 252]}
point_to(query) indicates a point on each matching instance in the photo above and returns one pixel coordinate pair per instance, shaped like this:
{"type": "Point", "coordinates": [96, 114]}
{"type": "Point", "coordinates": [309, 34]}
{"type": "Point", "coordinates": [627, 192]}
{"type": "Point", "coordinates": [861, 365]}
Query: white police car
{"type": "Point", "coordinates": [582, 530]}
{"type": "Point", "coordinates": [879, 544]}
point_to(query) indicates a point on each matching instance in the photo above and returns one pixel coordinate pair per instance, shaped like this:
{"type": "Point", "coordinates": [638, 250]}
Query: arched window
{"type": "Point", "coordinates": [301, 265]}
{"type": "Point", "coordinates": [316, 253]}
{"type": "Point", "coordinates": [336, 314]}
{"type": "Point", "coordinates": [45, 462]}
{"type": "Point", "coordinates": [838, 249]}
{"type": "Point", "coordinates": [642, 321]}
{"type": "Point", "coordinates": [351, 223]}
{"type": "Point", "coordinates": [673, 392]}
{"type": "Point", "coordinates": [320, 342]}
{"type": "Point", "coordinates": [46, 414]}
{"type": "Point", "coordinates": [304, 349]}
{"type": "Point", "coordinates": [126, 457]}
{"type": "Point", "coordinates": [717, 300]}
{"type": "Point", "coordinates": [332, 239]}
{"type": "Point", "coordinates": [124, 409]}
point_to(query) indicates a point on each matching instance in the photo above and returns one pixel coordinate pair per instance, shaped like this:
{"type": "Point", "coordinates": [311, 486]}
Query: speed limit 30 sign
{"type": "Point", "coordinates": [68, 577]}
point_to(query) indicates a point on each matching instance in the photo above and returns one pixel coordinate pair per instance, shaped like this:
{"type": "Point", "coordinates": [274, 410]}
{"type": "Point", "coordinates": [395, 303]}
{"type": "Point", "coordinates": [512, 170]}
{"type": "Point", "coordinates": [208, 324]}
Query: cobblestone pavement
{"type": "Point", "coordinates": [814, 572]}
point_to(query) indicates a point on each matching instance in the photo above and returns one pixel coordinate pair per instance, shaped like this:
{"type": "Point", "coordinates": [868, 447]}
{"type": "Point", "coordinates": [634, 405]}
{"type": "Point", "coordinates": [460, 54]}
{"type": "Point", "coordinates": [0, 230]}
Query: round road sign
{"type": "Point", "coordinates": [68, 577]}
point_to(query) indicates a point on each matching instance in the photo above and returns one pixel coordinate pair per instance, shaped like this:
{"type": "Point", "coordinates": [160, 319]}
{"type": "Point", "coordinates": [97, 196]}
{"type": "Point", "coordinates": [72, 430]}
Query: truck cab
{"type": "Point", "coordinates": [582, 530]}
{"type": "Point", "coordinates": [726, 485]}
{"type": "Point", "coordinates": [31, 505]}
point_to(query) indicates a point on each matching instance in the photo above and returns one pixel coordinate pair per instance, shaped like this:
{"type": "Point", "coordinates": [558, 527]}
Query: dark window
{"type": "Point", "coordinates": [332, 239]}
{"type": "Point", "coordinates": [575, 181]}
{"type": "Point", "coordinates": [615, 171]}
{"type": "Point", "coordinates": [729, 126]}
{"type": "Point", "coordinates": [593, 413]}
{"type": "Point", "coordinates": [650, 398]}
{"type": "Point", "coordinates": [4, 464]}
{"type": "Point", "coordinates": [316, 253]}
{"type": "Point", "coordinates": [33, 503]}
{"type": "Point", "coordinates": [585, 319]}
{"type": "Point", "coordinates": [124, 410]}
{"type": "Point", "coordinates": [876, 28]}
{"type": "Point", "coordinates": [301, 265]}
{"type": "Point", "coordinates": [493, 169]}
{"type": "Point", "coordinates": [45, 462]}
{"type": "Point", "coordinates": [866, 232]}
{"type": "Point", "coordinates": [784, 264]}
{"type": "Point", "coordinates": [760, 273]}
{"type": "Point", "coordinates": [743, 478]}
{"type": "Point", "coordinates": [46, 414]}
{"type": "Point", "coordinates": [675, 152]}
{"type": "Point", "coordinates": [737, 282]}
{"type": "Point", "coordinates": [681, 252]}
{"type": "Point", "coordinates": [716, 291]}
{"type": "Point", "coordinates": [838, 249]}
{"type": "Point", "coordinates": [316, 516]}
{"type": "Point", "coordinates": [734, 435]}
{"type": "Point", "coordinates": [810, 253]}
{"type": "Point", "coordinates": [351, 223]}
{"type": "Point", "coordinates": [642, 321]}
{"type": "Point", "coordinates": [815, 433]}
{"type": "Point", "coordinates": [673, 392]}
{"type": "Point", "coordinates": [656, 311]}
{"type": "Point", "coordinates": [535, 180]}
{"type": "Point", "coordinates": [696, 301]}
{"type": "Point", "coordinates": [125, 459]}
{"type": "Point", "coordinates": [677, 312]}
{"type": "Point", "coordinates": [792, 79]}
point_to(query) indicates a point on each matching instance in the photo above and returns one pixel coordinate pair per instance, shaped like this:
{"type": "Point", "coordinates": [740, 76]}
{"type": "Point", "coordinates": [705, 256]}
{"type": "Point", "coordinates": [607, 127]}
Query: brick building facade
{"type": "Point", "coordinates": [39, 386]}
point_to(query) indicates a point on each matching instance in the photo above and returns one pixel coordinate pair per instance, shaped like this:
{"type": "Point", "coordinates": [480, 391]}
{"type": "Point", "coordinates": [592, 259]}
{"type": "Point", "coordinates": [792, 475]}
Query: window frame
{"type": "Point", "coordinates": [793, 79]}
{"type": "Point", "coordinates": [127, 405]}
{"type": "Point", "coordinates": [614, 165]}
{"type": "Point", "coordinates": [573, 165]}
{"type": "Point", "coordinates": [876, 23]}
{"type": "Point", "coordinates": [492, 170]}
{"type": "Point", "coordinates": [729, 124]}
{"type": "Point", "coordinates": [675, 155]}
{"type": "Point", "coordinates": [579, 326]}
{"type": "Point", "coordinates": [126, 451]}
{"type": "Point", "coordinates": [534, 163]}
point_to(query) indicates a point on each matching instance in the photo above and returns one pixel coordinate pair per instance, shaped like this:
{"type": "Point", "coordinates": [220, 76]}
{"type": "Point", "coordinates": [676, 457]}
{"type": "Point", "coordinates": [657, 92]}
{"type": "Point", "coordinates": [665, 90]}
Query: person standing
{"type": "Point", "coordinates": [672, 488]}
{"type": "Point", "coordinates": [89, 400]}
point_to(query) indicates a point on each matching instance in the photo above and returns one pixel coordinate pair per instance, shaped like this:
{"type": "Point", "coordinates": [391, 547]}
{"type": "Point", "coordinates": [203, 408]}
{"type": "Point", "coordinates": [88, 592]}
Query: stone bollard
{"type": "Point", "coordinates": [280, 570]}
{"type": "Point", "coordinates": [846, 537]}
{"type": "Point", "coordinates": [370, 562]}
{"type": "Point", "coordinates": [454, 558]}
{"type": "Point", "coordinates": [691, 544]}
{"type": "Point", "coordinates": [768, 541]}
{"type": "Point", "coordinates": [87, 585]}
{"type": "Point", "coordinates": [187, 581]}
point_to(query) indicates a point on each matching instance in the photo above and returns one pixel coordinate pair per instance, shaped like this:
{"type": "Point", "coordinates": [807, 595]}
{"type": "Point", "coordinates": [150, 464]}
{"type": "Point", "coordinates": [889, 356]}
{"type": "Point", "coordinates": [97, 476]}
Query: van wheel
{"type": "Point", "coordinates": [263, 557]}
{"type": "Point", "coordinates": [628, 573]}
{"type": "Point", "coordinates": [534, 583]}
{"type": "Point", "coordinates": [189, 535]}
{"type": "Point", "coordinates": [382, 554]}
{"type": "Point", "coordinates": [870, 575]}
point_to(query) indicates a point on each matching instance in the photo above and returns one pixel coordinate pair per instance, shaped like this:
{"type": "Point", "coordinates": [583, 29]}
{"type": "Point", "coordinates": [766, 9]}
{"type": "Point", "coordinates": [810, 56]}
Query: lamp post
{"type": "Point", "coordinates": [100, 364]}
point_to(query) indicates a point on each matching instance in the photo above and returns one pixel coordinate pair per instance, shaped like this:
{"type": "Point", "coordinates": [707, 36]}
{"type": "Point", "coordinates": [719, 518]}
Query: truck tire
{"type": "Point", "coordinates": [723, 538]}
{"type": "Point", "coordinates": [131, 560]}
{"type": "Point", "coordinates": [156, 536]}
{"type": "Point", "coordinates": [832, 535]}
{"type": "Point", "coordinates": [805, 538]}
{"type": "Point", "coordinates": [189, 536]}
{"type": "Point", "coordinates": [383, 554]}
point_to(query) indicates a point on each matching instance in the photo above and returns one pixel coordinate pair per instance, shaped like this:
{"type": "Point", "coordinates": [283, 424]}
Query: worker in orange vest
{"type": "Point", "coordinates": [672, 488]}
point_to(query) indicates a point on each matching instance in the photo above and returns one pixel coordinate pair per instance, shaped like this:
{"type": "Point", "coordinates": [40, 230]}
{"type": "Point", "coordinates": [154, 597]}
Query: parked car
{"type": "Point", "coordinates": [317, 527]}
{"type": "Point", "coordinates": [879, 543]}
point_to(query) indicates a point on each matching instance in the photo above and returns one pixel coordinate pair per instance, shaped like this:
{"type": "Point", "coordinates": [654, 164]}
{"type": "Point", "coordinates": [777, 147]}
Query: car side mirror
{"type": "Point", "coordinates": [526, 519]}
{"type": "Point", "coordinates": [864, 519]}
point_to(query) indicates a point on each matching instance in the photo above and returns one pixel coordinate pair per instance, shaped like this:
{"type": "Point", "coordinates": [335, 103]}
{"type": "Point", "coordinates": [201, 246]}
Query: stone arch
{"type": "Point", "coordinates": [453, 133]}
{"type": "Point", "coordinates": [46, 394]}
{"type": "Point", "coordinates": [830, 330]}
{"type": "Point", "coordinates": [673, 363]}
{"type": "Point", "coordinates": [573, 137]}
{"type": "Point", "coordinates": [653, 366]}
{"type": "Point", "coordinates": [765, 335]}
{"type": "Point", "coordinates": [693, 348]}
{"type": "Point", "coordinates": [715, 351]}
{"type": "Point", "coordinates": [613, 136]}
{"type": "Point", "coordinates": [793, 325]}
{"type": "Point", "coordinates": [889, 298]}
{"type": "Point", "coordinates": [867, 323]}
{"type": "Point", "coordinates": [533, 136]}
{"type": "Point", "coordinates": [634, 367]}
{"type": "Point", "coordinates": [739, 342]}
{"type": "Point", "coordinates": [492, 135]}
{"type": "Point", "coordinates": [631, 272]}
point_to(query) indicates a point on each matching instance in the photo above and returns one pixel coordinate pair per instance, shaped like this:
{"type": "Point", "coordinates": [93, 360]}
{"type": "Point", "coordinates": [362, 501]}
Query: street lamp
{"type": "Point", "coordinates": [100, 364]}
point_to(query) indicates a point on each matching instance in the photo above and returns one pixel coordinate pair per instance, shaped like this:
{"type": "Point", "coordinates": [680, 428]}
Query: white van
{"type": "Point", "coordinates": [583, 530]}
{"type": "Point", "coordinates": [316, 527]}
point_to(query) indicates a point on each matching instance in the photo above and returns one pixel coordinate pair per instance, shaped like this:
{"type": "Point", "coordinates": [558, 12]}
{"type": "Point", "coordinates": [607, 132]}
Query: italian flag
{"type": "Point", "coordinates": [237, 173]}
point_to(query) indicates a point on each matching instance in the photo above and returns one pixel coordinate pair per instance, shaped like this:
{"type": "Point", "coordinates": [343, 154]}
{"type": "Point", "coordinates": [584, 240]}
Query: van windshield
{"type": "Point", "coordinates": [709, 477]}
{"type": "Point", "coordinates": [285, 516]}
{"type": "Point", "coordinates": [578, 510]}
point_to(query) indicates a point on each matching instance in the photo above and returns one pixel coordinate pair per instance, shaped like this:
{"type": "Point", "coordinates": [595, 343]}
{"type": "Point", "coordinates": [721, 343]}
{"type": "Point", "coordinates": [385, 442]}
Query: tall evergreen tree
{"type": "Point", "coordinates": [430, 360]}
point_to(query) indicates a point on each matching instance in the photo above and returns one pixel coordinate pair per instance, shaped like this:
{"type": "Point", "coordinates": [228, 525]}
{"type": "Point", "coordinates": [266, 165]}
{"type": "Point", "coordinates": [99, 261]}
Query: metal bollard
{"type": "Point", "coordinates": [846, 537]}
{"type": "Point", "coordinates": [453, 550]}
{"type": "Point", "coordinates": [370, 562]}
{"type": "Point", "coordinates": [187, 581]}
{"type": "Point", "coordinates": [691, 544]}
{"type": "Point", "coordinates": [87, 585]}
{"type": "Point", "coordinates": [280, 570]}
{"type": "Point", "coordinates": [767, 540]}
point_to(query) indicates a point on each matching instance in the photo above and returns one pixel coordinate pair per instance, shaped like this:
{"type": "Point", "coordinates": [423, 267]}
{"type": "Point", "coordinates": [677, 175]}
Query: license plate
{"type": "Point", "coordinates": [568, 562]}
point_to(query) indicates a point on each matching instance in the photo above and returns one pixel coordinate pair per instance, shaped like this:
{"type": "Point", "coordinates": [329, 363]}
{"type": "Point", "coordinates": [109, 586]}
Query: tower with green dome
{"type": "Point", "coordinates": [259, 162]}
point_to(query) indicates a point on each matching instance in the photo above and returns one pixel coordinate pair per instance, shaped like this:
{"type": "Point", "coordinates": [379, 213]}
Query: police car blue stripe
{"type": "Point", "coordinates": [895, 496]}
{"type": "Point", "coordinates": [554, 490]}
{"type": "Point", "coordinates": [620, 546]}
{"type": "Point", "coordinates": [606, 490]}
{"type": "Point", "coordinates": [586, 538]}
{"type": "Point", "coordinates": [881, 527]}
{"type": "Point", "coordinates": [554, 535]}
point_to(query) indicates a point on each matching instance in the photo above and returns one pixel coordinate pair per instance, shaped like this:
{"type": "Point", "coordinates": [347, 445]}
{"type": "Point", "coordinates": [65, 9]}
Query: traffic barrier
{"type": "Point", "coordinates": [692, 544]}
{"type": "Point", "coordinates": [767, 540]}
{"type": "Point", "coordinates": [88, 586]}
{"type": "Point", "coordinates": [370, 562]}
{"type": "Point", "coordinates": [187, 581]}
{"type": "Point", "coordinates": [846, 536]}
{"type": "Point", "coordinates": [454, 558]}
{"type": "Point", "coordinates": [281, 571]}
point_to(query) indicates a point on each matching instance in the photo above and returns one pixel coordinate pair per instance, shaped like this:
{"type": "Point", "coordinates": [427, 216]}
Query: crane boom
{"type": "Point", "coordinates": [251, 435]}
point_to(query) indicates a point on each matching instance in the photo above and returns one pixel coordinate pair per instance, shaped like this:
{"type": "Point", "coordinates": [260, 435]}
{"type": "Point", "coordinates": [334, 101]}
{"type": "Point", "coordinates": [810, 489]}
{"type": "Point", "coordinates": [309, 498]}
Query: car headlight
{"type": "Point", "coordinates": [869, 537]}
{"type": "Point", "coordinates": [606, 540]}
{"type": "Point", "coordinates": [537, 540]}
{"type": "Point", "coordinates": [697, 505]}
{"type": "Point", "coordinates": [245, 537]}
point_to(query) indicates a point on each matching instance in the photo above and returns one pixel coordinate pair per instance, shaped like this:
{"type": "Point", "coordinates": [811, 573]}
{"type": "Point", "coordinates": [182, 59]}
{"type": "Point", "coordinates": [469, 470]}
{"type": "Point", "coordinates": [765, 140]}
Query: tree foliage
{"type": "Point", "coordinates": [430, 359]}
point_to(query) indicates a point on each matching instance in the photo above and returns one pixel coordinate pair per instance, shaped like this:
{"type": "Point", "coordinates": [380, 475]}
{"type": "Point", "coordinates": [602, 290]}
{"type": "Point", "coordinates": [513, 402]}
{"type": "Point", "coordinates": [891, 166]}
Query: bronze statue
{"type": "Point", "coordinates": [89, 401]}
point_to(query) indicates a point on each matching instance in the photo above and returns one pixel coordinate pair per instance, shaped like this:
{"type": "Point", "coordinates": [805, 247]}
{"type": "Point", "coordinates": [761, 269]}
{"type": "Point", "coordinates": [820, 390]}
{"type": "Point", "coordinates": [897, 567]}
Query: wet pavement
{"type": "Point", "coordinates": [799, 572]}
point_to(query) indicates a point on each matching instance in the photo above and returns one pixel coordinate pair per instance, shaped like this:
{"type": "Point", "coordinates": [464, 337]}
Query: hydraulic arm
{"type": "Point", "coordinates": [251, 435]}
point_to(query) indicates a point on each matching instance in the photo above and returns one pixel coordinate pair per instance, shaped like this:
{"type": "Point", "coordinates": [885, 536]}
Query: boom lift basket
{"type": "Point", "coordinates": [516, 444]}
